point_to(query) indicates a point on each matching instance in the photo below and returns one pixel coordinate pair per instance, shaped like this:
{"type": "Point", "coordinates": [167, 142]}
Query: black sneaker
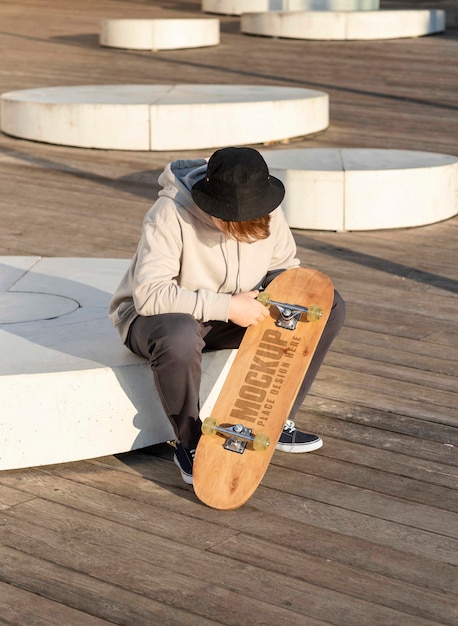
{"type": "Point", "coordinates": [293, 440]}
{"type": "Point", "coordinates": [184, 459]}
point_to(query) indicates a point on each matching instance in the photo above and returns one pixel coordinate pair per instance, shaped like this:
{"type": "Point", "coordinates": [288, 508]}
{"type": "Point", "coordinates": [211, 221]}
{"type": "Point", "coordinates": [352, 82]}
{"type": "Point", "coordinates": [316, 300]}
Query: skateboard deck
{"type": "Point", "coordinates": [240, 435]}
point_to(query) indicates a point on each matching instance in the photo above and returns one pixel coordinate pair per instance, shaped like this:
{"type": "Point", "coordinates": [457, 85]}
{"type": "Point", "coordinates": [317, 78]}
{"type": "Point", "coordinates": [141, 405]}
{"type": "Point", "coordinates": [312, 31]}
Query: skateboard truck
{"type": "Point", "coordinates": [290, 313]}
{"type": "Point", "coordinates": [237, 436]}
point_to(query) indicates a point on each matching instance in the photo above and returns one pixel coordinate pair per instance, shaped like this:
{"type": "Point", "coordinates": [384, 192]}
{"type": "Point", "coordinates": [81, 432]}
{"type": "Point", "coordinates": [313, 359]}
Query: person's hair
{"type": "Point", "coordinates": [248, 231]}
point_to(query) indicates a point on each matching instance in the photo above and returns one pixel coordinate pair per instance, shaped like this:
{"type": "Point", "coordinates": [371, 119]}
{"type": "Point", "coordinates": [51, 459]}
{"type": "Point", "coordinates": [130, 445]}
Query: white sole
{"type": "Point", "coordinates": [297, 449]}
{"type": "Point", "coordinates": [186, 477]}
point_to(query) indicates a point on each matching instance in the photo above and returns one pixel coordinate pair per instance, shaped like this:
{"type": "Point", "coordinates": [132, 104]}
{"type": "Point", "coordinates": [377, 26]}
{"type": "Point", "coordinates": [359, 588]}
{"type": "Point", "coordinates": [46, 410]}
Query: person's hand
{"type": "Point", "coordinates": [245, 310]}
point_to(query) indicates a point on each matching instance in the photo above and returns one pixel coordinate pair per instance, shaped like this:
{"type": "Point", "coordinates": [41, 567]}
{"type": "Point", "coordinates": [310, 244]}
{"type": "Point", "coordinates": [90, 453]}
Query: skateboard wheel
{"type": "Point", "coordinates": [264, 298]}
{"type": "Point", "coordinates": [314, 313]}
{"type": "Point", "coordinates": [261, 442]}
{"type": "Point", "coordinates": [209, 426]}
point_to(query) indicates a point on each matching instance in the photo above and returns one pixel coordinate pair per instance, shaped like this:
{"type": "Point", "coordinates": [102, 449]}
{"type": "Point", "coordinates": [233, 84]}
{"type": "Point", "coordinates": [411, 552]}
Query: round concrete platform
{"type": "Point", "coordinates": [344, 25]}
{"type": "Point", "coordinates": [365, 189]}
{"type": "Point", "coordinates": [159, 34]}
{"type": "Point", "coordinates": [162, 117]}
{"type": "Point", "coordinates": [237, 7]}
{"type": "Point", "coordinates": [69, 390]}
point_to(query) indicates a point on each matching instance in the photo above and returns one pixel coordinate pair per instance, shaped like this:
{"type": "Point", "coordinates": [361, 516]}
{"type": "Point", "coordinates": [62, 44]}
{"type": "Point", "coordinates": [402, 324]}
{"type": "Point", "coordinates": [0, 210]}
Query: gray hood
{"type": "Point", "coordinates": [177, 181]}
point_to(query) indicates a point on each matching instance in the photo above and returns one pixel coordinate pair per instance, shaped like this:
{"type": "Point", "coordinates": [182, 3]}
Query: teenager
{"type": "Point", "coordinates": [213, 238]}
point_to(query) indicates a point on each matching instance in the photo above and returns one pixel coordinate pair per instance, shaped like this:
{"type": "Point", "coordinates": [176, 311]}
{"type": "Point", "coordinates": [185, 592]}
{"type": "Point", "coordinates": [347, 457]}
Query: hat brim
{"type": "Point", "coordinates": [236, 210]}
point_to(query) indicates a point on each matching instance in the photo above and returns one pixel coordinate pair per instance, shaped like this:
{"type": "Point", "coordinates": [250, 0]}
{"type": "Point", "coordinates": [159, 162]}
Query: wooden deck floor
{"type": "Point", "coordinates": [361, 532]}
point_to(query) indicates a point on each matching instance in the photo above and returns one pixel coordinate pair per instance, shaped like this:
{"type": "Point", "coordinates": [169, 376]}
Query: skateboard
{"type": "Point", "coordinates": [239, 437]}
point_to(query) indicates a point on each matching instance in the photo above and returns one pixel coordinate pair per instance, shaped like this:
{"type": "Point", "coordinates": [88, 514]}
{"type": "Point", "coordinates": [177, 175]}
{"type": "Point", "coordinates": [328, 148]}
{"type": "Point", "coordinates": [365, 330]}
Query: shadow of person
{"type": "Point", "coordinates": [69, 389]}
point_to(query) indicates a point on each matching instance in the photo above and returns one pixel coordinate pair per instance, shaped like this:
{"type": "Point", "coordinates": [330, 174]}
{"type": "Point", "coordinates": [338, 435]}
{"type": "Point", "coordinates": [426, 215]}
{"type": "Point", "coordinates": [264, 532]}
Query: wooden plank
{"type": "Point", "coordinates": [443, 338]}
{"type": "Point", "coordinates": [369, 319]}
{"type": "Point", "coordinates": [403, 368]}
{"type": "Point", "coordinates": [10, 497]}
{"type": "Point", "coordinates": [88, 596]}
{"type": "Point", "coordinates": [396, 260]}
{"type": "Point", "coordinates": [163, 570]}
{"type": "Point", "coordinates": [156, 561]}
{"type": "Point", "coordinates": [358, 474]}
{"type": "Point", "coordinates": [329, 574]}
{"type": "Point", "coordinates": [19, 607]}
{"type": "Point", "coordinates": [403, 537]}
{"type": "Point", "coordinates": [383, 420]}
{"type": "Point", "coordinates": [362, 554]}
{"type": "Point", "coordinates": [96, 497]}
{"type": "Point", "coordinates": [418, 517]}
{"type": "Point", "coordinates": [394, 463]}
{"type": "Point", "coordinates": [424, 354]}
{"type": "Point", "coordinates": [415, 447]}
{"type": "Point", "coordinates": [395, 398]}
{"type": "Point", "coordinates": [323, 542]}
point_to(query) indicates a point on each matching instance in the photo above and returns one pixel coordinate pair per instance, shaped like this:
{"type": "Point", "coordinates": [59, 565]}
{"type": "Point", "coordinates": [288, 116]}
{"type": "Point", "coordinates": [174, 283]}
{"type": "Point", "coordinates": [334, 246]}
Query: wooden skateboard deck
{"type": "Point", "coordinates": [259, 391]}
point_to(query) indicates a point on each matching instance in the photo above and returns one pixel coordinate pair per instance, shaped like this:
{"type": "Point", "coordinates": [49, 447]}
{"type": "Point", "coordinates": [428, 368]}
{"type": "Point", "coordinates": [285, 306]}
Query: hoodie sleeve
{"type": "Point", "coordinates": [155, 288]}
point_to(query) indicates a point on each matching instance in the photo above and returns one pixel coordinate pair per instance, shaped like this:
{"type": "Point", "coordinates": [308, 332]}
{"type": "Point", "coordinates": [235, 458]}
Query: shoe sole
{"type": "Point", "coordinates": [299, 448]}
{"type": "Point", "coordinates": [186, 477]}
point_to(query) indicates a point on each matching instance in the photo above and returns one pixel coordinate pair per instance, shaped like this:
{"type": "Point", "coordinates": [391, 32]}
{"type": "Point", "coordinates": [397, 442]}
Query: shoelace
{"type": "Point", "coordinates": [289, 426]}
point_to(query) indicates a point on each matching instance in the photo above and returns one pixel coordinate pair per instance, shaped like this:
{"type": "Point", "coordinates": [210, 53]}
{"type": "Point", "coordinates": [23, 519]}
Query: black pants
{"type": "Point", "coordinates": [174, 343]}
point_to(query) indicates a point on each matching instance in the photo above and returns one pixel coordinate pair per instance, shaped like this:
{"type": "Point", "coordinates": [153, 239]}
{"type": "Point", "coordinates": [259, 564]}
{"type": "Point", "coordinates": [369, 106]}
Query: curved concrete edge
{"type": "Point", "coordinates": [237, 7]}
{"type": "Point", "coordinates": [339, 25]}
{"type": "Point", "coordinates": [267, 114]}
{"type": "Point", "coordinates": [162, 117]}
{"type": "Point", "coordinates": [69, 389]}
{"type": "Point", "coordinates": [159, 34]}
{"type": "Point", "coordinates": [47, 116]}
{"type": "Point", "coordinates": [364, 189]}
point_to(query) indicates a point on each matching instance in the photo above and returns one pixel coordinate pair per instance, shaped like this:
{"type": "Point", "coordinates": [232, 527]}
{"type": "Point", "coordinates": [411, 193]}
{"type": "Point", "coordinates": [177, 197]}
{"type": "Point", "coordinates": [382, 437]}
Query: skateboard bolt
{"type": "Point", "coordinates": [238, 428]}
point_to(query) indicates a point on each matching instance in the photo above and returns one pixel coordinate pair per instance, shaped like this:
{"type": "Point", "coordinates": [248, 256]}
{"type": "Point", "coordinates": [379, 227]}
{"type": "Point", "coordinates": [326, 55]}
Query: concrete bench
{"type": "Point", "coordinates": [237, 7]}
{"type": "Point", "coordinates": [69, 390]}
{"type": "Point", "coordinates": [365, 189]}
{"type": "Point", "coordinates": [159, 34]}
{"type": "Point", "coordinates": [162, 117]}
{"type": "Point", "coordinates": [339, 25]}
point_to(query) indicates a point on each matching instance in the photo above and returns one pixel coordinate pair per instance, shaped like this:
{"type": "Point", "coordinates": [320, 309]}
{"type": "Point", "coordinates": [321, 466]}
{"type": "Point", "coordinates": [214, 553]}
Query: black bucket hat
{"type": "Point", "coordinates": [238, 186]}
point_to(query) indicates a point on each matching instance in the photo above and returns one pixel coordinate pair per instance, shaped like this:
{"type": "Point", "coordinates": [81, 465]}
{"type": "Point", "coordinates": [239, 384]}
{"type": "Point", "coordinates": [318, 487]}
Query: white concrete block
{"type": "Point", "coordinates": [314, 183]}
{"type": "Point", "coordinates": [398, 188]}
{"type": "Point", "coordinates": [394, 24]}
{"type": "Point", "coordinates": [310, 25]}
{"type": "Point", "coordinates": [69, 390]}
{"type": "Point", "coordinates": [237, 7]}
{"type": "Point", "coordinates": [115, 118]}
{"type": "Point", "coordinates": [162, 117]}
{"type": "Point", "coordinates": [365, 189]}
{"type": "Point", "coordinates": [344, 25]}
{"type": "Point", "coordinates": [214, 116]}
{"type": "Point", "coordinates": [159, 34]}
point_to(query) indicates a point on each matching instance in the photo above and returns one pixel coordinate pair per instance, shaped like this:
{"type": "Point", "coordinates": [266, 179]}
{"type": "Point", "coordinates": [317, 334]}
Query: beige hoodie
{"type": "Point", "coordinates": [184, 264]}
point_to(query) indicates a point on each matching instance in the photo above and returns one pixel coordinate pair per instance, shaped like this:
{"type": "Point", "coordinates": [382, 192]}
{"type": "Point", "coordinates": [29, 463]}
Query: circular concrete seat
{"type": "Point", "coordinates": [159, 34]}
{"type": "Point", "coordinates": [69, 390]}
{"type": "Point", "coordinates": [236, 7]}
{"type": "Point", "coordinates": [339, 25]}
{"type": "Point", "coordinates": [365, 189]}
{"type": "Point", "coordinates": [162, 117]}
